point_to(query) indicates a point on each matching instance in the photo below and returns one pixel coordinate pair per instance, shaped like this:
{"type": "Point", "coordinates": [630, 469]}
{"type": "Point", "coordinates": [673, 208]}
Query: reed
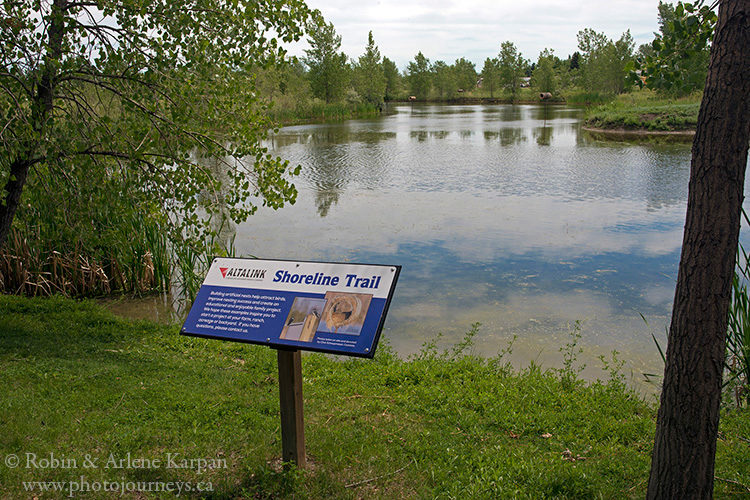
{"type": "Point", "coordinates": [193, 255]}
{"type": "Point", "coordinates": [85, 246]}
{"type": "Point", "coordinates": [587, 98]}
{"type": "Point", "coordinates": [316, 110]}
{"type": "Point", "coordinates": [736, 379]}
{"type": "Point", "coordinates": [737, 360]}
{"type": "Point", "coordinates": [33, 268]}
{"type": "Point", "coordinates": [84, 232]}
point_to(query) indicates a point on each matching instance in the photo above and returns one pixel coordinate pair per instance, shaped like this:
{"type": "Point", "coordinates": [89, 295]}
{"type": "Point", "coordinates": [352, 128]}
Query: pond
{"type": "Point", "coordinates": [506, 215]}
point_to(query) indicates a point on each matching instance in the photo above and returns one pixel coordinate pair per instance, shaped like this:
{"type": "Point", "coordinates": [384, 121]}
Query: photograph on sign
{"type": "Point", "coordinates": [345, 312]}
{"type": "Point", "coordinates": [330, 307]}
{"type": "Point", "coordinates": [303, 319]}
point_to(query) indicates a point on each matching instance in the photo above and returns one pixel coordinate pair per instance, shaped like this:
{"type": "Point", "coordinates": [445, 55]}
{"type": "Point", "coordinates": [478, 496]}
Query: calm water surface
{"type": "Point", "coordinates": [510, 216]}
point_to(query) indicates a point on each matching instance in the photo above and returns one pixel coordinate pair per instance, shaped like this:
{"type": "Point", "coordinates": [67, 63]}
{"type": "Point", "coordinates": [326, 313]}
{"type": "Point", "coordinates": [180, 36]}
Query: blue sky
{"type": "Point", "coordinates": [447, 29]}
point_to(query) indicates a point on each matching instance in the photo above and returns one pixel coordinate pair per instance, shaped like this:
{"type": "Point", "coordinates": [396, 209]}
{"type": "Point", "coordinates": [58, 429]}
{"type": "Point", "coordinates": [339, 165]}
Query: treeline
{"type": "Point", "coordinates": [326, 83]}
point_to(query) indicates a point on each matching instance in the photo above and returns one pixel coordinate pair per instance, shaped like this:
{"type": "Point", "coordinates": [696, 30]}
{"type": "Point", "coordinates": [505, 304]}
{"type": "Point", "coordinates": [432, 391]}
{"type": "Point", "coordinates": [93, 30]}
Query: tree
{"type": "Point", "coordinates": [575, 61]}
{"type": "Point", "coordinates": [676, 62]}
{"type": "Point", "coordinates": [392, 79]}
{"type": "Point", "coordinates": [129, 89]}
{"type": "Point", "coordinates": [464, 74]}
{"type": "Point", "coordinates": [604, 62]}
{"type": "Point", "coordinates": [286, 79]}
{"type": "Point", "coordinates": [512, 68]}
{"type": "Point", "coordinates": [442, 79]}
{"type": "Point", "coordinates": [369, 75]}
{"type": "Point", "coordinates": [418, 72]}
{"type": "Point", "coordinates": [328, 68]}
{"type": "Point", "coordinates": [682, 465]}
{"type": "Point", "coordinates": [490, 75]}
{"type": "Point", "coordinates": [543, 78]}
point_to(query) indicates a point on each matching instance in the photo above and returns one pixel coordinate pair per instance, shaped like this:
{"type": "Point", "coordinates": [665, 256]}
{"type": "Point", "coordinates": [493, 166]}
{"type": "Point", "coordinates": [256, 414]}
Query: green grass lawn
{"type": "Point", "coordinates": [86, 388]}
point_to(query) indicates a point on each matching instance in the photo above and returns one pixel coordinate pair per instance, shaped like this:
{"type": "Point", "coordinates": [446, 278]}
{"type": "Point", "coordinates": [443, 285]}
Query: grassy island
{"type": "Point", "coordinates": [646, 112]}
{"type": "Point", "coordinates": [147, 406]}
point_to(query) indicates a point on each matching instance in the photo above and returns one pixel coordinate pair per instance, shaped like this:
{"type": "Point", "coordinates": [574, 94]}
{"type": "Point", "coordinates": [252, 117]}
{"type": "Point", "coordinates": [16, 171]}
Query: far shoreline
{"type": "Point", "coordinates": [640, 132]}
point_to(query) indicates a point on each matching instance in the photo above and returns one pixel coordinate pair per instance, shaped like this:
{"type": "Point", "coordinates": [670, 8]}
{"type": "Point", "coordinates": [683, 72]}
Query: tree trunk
{"type": "Point", "coordinates": [18, 172]}
{"type": "Point", "coordinates": [685, 443]}
{"type": "Point", "coordinates": [41, 113]}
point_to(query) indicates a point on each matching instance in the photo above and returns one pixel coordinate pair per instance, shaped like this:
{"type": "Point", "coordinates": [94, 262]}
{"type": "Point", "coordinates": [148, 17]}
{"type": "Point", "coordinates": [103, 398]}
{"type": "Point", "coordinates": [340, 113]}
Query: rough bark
{"type": "Point", "coordinates": [19, 170]}
{"type": "Point", "coordinates": [42, 104]}
{"type": "Point", "coordinates": [687, 424]}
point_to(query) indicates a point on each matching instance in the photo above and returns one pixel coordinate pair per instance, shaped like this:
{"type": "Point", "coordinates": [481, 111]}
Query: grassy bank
{"type": "Point", "coordinates": [483, 96]}
{"type": "Point", "coordinates": [320, 112]}
{"type": "Point", "coordinates": [77, 382]}
{"type": "Point", "coordinates": [647, 111]}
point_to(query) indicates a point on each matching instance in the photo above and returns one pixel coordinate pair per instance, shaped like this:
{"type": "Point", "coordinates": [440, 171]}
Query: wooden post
{"type": "Point", "coordinates": [290, 398]}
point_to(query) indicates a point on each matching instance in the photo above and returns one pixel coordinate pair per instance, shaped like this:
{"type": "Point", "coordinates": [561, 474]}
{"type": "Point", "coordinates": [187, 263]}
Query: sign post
{"type": "Point", "coordinates": [291, 306]}
{"type": "Point", "coordinates": [290, 402]}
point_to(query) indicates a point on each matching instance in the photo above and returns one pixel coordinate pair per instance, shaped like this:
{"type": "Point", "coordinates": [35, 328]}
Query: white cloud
{"type": "Point", "coordinates": [547, 226]}
{"type": "Point", "coordinates": [446, 30]}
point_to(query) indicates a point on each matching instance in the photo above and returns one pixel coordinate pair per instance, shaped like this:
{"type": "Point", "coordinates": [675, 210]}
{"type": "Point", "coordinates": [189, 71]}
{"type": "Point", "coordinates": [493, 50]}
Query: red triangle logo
{"type": "Point", "coordinates": [223, 271]}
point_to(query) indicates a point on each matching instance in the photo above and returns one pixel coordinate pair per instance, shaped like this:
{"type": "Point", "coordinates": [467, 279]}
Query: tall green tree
{"type": "Point", "coordinates": [490, 75]}
{"type": "Point", "coordinates": [139, 90]}
{"type": "Point", "coordinates": [328, 69]}
{"type": "Point", "coordinates": [443, 79]}
{"type": "Point", "coordinates": [369, 76]}
{"type": "Point", "coordinates": [676, 62]}
{"type": "Point", "coordinates": [544, 78]}
{"type": "Point", "coordinates": [604, 63]}
{"type": "Point", "coordinates": [575, 61]}
{"type": "Point", "coordinates": [512, 68]}
{"type": "Point", "coordinates": [286, 79]}
{"type": "Point", "coordinates": [419, 76]}
{"type": "Point", "coordinates": [464, 74]}
{"type": "Point", "coordinates": [392, 79]}
{"type": "Point", "coordinates": [684, 452]}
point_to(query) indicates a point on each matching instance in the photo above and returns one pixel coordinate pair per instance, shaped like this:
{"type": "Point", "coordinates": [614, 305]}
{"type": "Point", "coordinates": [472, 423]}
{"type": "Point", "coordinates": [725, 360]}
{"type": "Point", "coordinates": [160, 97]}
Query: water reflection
{"type": "Point", "coordinates": [507, 215]}
{"type": "Point", "coordinates": [543, 135]}
{"type": "Point", "coordinates": [420, 135]}
{"type": "Point", "coordinates": [505, 114]}
{"type": "Point", "coordinates": [329, 177]}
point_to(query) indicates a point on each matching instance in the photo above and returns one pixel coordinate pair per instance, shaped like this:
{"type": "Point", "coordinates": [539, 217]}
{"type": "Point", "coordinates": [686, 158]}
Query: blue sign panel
{"type": "Point", "coordinates": [316, 306]}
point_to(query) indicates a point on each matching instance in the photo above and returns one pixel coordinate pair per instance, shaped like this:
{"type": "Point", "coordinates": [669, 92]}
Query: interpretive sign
{"type": "Point", "coordinates": [316, 306]}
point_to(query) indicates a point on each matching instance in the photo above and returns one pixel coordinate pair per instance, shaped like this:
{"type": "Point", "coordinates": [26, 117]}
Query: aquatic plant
{"type": "Point", "coordinates": [737, 360]}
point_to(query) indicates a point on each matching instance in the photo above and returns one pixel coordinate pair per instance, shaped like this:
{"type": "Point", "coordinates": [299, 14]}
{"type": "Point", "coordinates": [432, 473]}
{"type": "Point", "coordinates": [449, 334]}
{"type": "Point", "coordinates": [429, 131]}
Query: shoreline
{"type": "Point", "coordinates": [640, 132]}
{"type": "Point", "coordinates": [477, 101]}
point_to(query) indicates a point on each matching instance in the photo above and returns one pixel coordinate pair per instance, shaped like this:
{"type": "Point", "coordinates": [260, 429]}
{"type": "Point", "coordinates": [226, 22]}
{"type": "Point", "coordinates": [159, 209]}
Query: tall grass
{"type": "Point", "coordinates": [736, 379]}
{"type": "Point", "coordinates": [737, 361]}
{"type": "Point", "coordinates": [193, 257]}
{"type": "Point", "coordinates": [316, 110]}
{"type": "Point", "coordinates": [85, 232]}
{"type": "Point", "coordinates": [43, 267]}
{"type": "Point", "coordinates": [140, 258]}
{"type": "Point", "coordinates": [586, 97]}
